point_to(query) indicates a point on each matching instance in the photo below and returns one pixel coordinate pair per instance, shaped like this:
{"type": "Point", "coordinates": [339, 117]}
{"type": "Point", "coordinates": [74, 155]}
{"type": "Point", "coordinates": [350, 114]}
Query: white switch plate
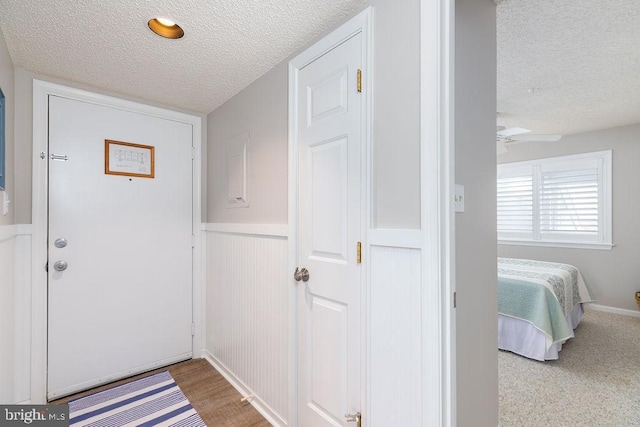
{"type": "Point", "coordinates": [459, 198]}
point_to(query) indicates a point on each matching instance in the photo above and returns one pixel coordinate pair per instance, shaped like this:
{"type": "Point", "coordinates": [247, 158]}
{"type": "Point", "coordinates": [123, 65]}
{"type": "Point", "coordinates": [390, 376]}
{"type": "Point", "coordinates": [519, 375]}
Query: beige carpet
{"type": "Point", "coordinates": [595, 382]}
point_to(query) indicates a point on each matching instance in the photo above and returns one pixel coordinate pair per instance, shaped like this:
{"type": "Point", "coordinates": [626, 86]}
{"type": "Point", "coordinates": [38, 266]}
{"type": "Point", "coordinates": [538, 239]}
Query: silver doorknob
{"type": "Point", "coordinates": [60, 266]}
{"type": "Point", "coordinates": [301, 275]}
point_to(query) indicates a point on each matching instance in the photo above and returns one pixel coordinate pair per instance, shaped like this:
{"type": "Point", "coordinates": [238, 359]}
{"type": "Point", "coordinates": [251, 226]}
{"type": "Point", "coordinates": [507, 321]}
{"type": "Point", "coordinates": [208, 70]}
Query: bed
{"type": "Point", "coordinates": [539, 305]}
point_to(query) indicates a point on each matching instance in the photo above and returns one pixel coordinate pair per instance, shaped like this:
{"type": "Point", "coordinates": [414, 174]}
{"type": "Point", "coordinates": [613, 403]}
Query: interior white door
{"type": "Point", "coordinates": [123, 304]}
{"type": "Point", "coordinates": [330, 140]}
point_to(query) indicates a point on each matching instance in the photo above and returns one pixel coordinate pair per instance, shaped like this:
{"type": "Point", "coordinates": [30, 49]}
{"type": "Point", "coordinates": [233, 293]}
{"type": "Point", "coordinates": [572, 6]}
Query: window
{"type": "Point", "coordinates": [559, 201]}
{"type": "Point", "coordinates": [2, 162]}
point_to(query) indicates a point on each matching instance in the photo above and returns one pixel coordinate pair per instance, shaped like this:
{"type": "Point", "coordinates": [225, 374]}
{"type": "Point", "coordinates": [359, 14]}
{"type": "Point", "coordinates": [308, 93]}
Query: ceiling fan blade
{"type": "Point", "coordinates": [542, 138]}
{"type": "Point", "coordinates": [512, 131]}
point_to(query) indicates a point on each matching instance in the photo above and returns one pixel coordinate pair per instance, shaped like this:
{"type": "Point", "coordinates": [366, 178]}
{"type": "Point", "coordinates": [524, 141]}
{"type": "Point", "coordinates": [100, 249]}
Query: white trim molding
{"type": "Point", "coordinates": [246, 392]}
{"type": "Point", "coordinates": [8, 232]}
{"type": "Point", "coordinates": [614, 310]}
{"type": "Point", "coordinates": [396, 238]}
{"type": "Point", "coordinates": [13, 230]}
{"type": "Point", "coordinates": [41, 92]}
{"type": "Point", "coordinates": [551, 244]}
{"type": "Point", "coordinates": [275, 230]}
{"type": "Point", "coordinates": [437, 161]}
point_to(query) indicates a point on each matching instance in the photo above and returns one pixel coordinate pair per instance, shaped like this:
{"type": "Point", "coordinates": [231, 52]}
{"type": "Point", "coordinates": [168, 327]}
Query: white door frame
{"type": "Point", "coordinates": [361, 23]}
{"type": "Point", "coordinates": [41, 92]}
{"type": "Point", "coordinates": [437, 169]}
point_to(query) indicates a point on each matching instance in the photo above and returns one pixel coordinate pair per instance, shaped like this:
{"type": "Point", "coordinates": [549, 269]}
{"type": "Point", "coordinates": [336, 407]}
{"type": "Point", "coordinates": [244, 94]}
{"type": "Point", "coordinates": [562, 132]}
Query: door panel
{"type": "Point", "coordinates": [124, 304]}
{"type": "Point", "coordinates": [328, 334]}
{"type": "Point", "coordinates": [329, 138]}
{"type": "Point", "coordinates": [327, 195]}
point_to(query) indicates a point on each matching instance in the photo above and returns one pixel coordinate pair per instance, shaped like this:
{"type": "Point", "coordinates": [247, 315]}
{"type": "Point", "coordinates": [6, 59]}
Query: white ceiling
{"type": "Point", "coordinates": [581, 56]}
{"type": "Point", "coordinates": [106, 43]}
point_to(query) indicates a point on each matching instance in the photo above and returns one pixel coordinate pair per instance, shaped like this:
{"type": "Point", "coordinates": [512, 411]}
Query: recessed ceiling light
{"type": "Point", "coordinates": [165, 28]}
{"type": "Point", "coordinates": [166, 22]}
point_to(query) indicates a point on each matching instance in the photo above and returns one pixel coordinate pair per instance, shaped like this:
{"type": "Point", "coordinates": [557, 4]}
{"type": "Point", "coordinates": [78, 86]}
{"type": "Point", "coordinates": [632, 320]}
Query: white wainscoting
{"type": "Point", "coordinates": [395, 328]}
{"type": "Point", "coordinates": [247, 306]}
{"type": "Point", "coordinates": [15, 313]}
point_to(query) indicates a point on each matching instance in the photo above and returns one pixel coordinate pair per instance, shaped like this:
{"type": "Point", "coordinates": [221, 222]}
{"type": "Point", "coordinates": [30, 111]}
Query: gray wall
{"type": "Point", "coordinates": [7, 85]}
{"type": "Point", "coordinates": [396, 114]}
{"type": "Point", "coordinates": [261, 109]}
{"type": "Point", "coordinates": [475, 245]}
{"type": "Point", "coordinates": [24, 137]}
{"type": "Point", "coordinates": [612, 275]}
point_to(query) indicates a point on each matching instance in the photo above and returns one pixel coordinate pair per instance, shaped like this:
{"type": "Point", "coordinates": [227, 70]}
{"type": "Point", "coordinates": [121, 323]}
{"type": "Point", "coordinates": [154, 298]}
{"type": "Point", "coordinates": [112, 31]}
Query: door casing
{"type": "Point", "coordinates": [361, 23]}
{"type": "Point", "coordinates": [41, 92]}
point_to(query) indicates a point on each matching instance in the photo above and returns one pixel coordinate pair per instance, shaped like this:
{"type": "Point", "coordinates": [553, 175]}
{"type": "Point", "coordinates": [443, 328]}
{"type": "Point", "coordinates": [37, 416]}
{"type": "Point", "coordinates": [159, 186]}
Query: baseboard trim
{"type": "Point", "coordinates": [244, 390]}
{"type": "Point", "coordinates": [614, 310]}
{"type": "Point", "coordinates": [273, 230]}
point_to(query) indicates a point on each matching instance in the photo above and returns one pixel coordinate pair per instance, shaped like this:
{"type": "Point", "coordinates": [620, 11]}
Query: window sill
{"type": "Point", "coordinates": [551, 244]}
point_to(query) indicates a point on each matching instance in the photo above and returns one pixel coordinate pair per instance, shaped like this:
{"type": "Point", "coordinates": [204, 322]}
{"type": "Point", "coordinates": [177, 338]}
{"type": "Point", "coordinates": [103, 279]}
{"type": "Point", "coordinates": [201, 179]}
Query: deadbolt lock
{"type": "Point", "coordinates": [60, 243]}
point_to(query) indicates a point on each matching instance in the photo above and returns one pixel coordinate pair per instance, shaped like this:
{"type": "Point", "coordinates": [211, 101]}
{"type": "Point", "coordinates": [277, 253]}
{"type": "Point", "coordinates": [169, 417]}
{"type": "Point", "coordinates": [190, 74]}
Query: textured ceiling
{"type": "Point", "coordinates": [106, 43]}
{"type": "Point", "coordinates": [581, 56]}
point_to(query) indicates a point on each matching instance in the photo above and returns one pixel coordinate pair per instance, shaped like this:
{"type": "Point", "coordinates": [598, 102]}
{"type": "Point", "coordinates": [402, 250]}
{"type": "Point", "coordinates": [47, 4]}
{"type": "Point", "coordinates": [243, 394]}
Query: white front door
{"type": "Point", "coordinates": [123, 304]}
{"type": "Point", "coordinates": [329, 196]}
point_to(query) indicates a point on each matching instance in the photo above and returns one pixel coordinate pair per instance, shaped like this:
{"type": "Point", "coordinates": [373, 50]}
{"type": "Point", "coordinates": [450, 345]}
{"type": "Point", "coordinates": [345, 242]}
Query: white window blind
{"type": "Point", "coordinates": [515, 204]}
{"type": "Point", "coordinates": [569, 202]}
{"type": "Point", "coordinates": [560, 200]}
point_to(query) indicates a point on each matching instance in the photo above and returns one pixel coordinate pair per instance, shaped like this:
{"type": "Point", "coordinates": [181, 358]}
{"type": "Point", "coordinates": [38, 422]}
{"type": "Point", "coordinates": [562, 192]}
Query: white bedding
{"type": "Point", "coordinates": [540, 303]}
{"type": "Point", "coordinates": [521, 337]}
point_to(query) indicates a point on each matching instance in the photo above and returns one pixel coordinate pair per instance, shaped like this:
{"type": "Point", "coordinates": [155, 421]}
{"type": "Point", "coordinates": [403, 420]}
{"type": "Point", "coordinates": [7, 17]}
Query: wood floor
{"type": "Point", "coordinates": [215, 400]}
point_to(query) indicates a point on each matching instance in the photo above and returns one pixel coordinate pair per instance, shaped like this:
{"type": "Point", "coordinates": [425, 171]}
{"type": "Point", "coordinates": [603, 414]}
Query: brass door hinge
{"type": "Point", "coordinates": [354, 418]}
{"type": "Point", "coordinates": [359, 253]}
{"type": "Point", "coordinates": [359, 85]}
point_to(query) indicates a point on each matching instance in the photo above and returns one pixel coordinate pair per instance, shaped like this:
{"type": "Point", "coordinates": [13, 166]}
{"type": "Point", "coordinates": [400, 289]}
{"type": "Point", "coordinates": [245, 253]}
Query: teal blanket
{"type": "Point", "coordinates": [535, 304]}
{"type": "Point", "coordinates": [541, 293]}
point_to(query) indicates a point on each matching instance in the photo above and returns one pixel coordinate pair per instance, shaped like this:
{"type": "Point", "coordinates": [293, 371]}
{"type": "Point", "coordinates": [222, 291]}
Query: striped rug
{"type": "Point", "coordinates": [152, 401]}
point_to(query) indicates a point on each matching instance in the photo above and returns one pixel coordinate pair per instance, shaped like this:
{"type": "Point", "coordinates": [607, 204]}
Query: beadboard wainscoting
{"type": "Point", "coordinates": [15, 313]}
{"type": "Point", "coordinates": [248, 313]}
{"type": "Point", "coordinates": [395, 363]}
